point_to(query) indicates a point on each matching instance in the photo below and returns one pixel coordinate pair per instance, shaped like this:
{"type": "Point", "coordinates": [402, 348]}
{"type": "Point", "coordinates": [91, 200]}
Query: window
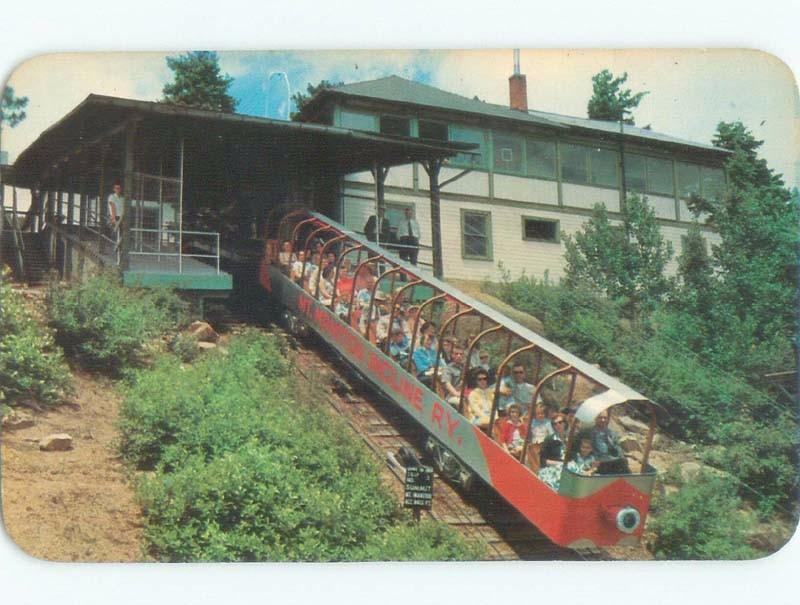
{"type": "Point", "coordinates": [540, 230]}
{"type": "Point", "coordinates": [635, 175]}
{"type": "Point", "coordinates": [395, 125]}
{"type": "Point", "coordinates": [358, 121]}
{"type": "Point", "coordinates": [574, 163]}
{"type": "Point", "coordinates": [476, 235]}
{"type": "Point", "coordinates": [688, 179]}
{"type": "Point", "coordinates": [541, 158]}
{"type": "Point", "coordinates": [507, 152]}
{"type": "Point", "coordinates": [432, 130]}
{"type": "Point", "coordinates": [603, 167]}
{"type": "Point", "coordinates": [659, 177]}
{"type": "Point", "coordinates": [477, 157]}
{"type": "Point", "coordinates": [713, 181]}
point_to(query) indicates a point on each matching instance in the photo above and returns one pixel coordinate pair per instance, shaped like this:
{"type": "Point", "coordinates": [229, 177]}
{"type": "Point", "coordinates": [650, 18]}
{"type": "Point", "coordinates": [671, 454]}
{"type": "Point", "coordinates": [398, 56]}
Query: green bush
{"type": "Point", "coordinates": [244, 471]}
{"type": "Point", "coordinates": [185, 347]}
{"type": "Point", "coordinates": [31, 365]}
{"type": "Point", "coordinates": [701, 521]}
{"type": "Point", "coordinates": [106, 325]}
{"type": "Point", "coordinates": [425, 541]}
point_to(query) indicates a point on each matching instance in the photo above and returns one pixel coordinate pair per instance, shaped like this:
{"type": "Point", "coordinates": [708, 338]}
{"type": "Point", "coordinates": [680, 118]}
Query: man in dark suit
{"type": "Point", "coordinates": [372, 226]}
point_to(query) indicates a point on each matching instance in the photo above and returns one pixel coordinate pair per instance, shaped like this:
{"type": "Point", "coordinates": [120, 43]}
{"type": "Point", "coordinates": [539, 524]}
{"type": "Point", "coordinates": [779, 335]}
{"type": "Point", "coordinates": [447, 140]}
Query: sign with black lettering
{"type": "Point", "coordinates": [419, 487]}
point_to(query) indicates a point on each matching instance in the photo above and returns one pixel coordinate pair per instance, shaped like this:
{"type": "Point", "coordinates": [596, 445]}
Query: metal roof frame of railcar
{"type": "Point", "coordinates": [622, 391]}
{"type": "Point", "coordinates": [351, 150]}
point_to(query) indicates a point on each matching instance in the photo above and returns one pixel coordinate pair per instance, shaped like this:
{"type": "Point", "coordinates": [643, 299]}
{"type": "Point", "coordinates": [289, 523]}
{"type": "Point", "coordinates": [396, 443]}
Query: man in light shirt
{"type": "Point", "coordinates": [409, 236]}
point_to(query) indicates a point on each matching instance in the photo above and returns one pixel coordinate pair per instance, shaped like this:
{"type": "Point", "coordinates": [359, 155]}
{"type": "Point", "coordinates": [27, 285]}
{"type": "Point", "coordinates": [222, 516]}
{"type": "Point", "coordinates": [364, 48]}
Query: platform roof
{"type": "Point", "coordinates": [288, 145]}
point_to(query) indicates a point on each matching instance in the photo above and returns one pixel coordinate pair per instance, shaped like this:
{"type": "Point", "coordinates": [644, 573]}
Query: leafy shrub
{"type": "Point", "coordinates": [107, 325]}
{"type": "Point", "coordinates": [243, 471]}
{"type": "Point", "coordinates": [425, 541]}
{"type": "Point", "coordinates": [701, 521]}
{"type": "Point", "coordinates": [31, 365]}
{"type": "Point", "coordinates": [185, 347]}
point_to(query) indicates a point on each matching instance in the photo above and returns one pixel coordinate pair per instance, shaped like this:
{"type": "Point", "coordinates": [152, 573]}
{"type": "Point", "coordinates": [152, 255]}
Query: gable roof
{"type": "Point", "coordinates": [395, 89]}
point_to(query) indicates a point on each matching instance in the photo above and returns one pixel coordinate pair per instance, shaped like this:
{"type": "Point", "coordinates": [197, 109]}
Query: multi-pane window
{"type": "Point", "coordinates": [432, 130]}
{"type": "Point", "coordinates": [540, 230]}
{"type": "Point", "coordinates": [603, 167]}
{"type": "Point", "coordinates": [358, 121]}
{"type": "Point", "coordinates": [713, 180]}
{"type": "Point", "coordinates": [541, 158]}
{"type": "Point", "coordinates": [635, 173]}
{"type": "Point", "coordinates": [507, 152]}
{"type": "Point", "coordinates": [476, 235]}
{"type": "Point", "coordinates": [659, 177]}
{"type": "Point", "coordinates": [477, 157]}
{"type": "Point", "coordinates": [574, 163]}
{"type": "Point", "coordinates": [688, 179]}
{"type": "Point", "coordinates": [395, 125]}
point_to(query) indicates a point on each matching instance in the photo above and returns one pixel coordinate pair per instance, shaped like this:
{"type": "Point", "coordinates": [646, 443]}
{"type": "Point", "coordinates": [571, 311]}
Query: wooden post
{"type": "Point", "coordinates": [130, 140]}
{"type": "Point", "coordinates": [433, 167]}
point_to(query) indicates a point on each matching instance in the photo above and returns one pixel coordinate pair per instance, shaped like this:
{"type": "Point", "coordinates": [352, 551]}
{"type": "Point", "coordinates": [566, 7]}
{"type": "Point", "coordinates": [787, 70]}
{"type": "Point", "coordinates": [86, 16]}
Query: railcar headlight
{"type": "Point", "coordinates": [628, 519]}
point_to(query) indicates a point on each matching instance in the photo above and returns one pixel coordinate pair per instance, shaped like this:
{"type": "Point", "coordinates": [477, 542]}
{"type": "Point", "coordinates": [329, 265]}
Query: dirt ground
{"type": "Point", "coordinates": [76, 505]}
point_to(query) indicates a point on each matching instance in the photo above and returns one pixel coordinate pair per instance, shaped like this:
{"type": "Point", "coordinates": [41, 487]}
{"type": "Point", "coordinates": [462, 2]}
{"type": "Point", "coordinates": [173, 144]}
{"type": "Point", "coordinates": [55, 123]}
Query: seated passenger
{"type": "Point", "coordinates": [424, 360]}
{"type": "Point", "coordinates": [429, 329]}
{"type": "Point", "coordinates": [479, 360]}
{"type": "Point", "coordinates": [451, 377]}
{"type": "Point", "coordinates": [297, 266]}
{"type": "Point", "coordinates": [447, 349]}
{"type": "Point", "coordinates": [604, 441]}
{"type": "Point", "coordinates": [479, 408]}
{"type": "Point", "coordinates": [540, 430]}
{"type": "Point", "coordinates": [514, 431]}
{"type": "Point", "coordinates": [342, 308]}
{"type": "Point", "coordinates": [286, 256]}
{"type": "Point", "coordinates": [552, 453]}
{"type": "Point", "coordinates": [515, 389]}
{"type": "Point", "coordinates": [582, 462]}
{"type": "Point", "coordinates": [398, 346]}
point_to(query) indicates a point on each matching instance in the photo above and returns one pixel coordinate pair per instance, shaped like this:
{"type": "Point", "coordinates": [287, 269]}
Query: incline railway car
{"type": "Point", "coordinates": [433, 351]}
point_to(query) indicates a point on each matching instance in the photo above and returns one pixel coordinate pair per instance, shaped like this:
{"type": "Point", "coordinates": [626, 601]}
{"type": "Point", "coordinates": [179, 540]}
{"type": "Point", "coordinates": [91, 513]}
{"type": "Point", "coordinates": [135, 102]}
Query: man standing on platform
{"type": "Point", "coordinates": [409, 236]}
{"type": "Point", "coordinates": [116, 205]}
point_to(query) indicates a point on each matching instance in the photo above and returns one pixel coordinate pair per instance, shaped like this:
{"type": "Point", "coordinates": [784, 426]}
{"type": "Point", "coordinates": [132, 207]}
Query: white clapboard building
{"type": "Point", "coordinates": [534, 176]}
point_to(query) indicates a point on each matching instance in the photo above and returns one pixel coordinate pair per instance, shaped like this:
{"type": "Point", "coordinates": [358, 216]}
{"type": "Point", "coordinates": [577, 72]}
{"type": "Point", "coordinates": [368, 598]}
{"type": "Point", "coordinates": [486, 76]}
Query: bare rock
{"type": "Point", "coordinates": [628, 443]}
{"type": "Point", "coordinates": [58, 442]}
{"type": "Point", "coordinates": [633, 426]}
{"type": "Point", "coordinates": [203, 332]}
{"type": "Point", "coordinates": [690, 470]}
{"type": "Point", "coordinates": [17, 420]}
{"type": "Point", "coordinates": [206, 346]}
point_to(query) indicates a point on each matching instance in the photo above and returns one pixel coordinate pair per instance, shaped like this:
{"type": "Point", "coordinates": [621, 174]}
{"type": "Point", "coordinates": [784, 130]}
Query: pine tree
{"type": "Point", "coordinates": [198, 82]}
{"type": "Point", "coordinates": [609, 102]}
{"type": "Point", "coordinates": [301, 99]}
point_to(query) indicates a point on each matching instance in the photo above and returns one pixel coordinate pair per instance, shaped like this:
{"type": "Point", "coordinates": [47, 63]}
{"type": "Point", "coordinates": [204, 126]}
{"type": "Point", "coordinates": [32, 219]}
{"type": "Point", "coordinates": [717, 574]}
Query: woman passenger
{"type": "Point", "coordinates": [552, 453]}
{"type": "Point", "coordinates": [479, 408]}
{"type": "Point", "coordinates": [514, 431]}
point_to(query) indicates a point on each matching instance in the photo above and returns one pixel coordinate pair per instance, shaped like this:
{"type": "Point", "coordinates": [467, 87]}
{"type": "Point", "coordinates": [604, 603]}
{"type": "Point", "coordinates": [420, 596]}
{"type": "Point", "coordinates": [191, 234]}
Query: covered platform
{"type": "Point", "coordinates": [198, 185]}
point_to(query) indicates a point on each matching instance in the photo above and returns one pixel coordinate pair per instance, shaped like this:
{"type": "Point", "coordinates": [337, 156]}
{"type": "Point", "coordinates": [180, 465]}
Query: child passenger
{"type": "Point", "coordinates": [583, 462]}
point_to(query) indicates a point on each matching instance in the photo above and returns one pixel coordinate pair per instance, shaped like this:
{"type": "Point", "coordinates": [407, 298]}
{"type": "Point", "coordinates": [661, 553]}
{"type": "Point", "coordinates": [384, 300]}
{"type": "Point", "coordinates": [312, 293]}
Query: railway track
{"type": "Point", "coordinates": [482, 516]}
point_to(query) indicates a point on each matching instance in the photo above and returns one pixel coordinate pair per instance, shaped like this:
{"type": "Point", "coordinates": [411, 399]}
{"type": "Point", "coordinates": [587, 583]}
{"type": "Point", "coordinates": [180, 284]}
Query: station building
{"type": "Point", "coordinates": [532, 178]}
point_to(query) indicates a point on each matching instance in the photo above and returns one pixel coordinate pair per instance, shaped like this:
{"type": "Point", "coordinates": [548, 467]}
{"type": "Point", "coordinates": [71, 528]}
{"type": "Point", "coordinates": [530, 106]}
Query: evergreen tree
{"type": "Point", "coordinates": [626, 262]}
{"type": "Point", "coordinates": [301, 99]}
{"type": "Point", "coordinates": [757, 220]}
{"type": "Point", "coordinates": [199, 83]}
{"type": "Point", "coordinates": [609, 101]}
{"type": "Point", "coordinates": [12, 108]}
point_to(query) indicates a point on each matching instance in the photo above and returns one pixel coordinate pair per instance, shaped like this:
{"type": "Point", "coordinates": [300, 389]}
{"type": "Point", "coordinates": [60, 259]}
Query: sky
{"type": "Point", "coordinates": [690, 91]}
{"type": "Point", "coordinates": [685, 100]}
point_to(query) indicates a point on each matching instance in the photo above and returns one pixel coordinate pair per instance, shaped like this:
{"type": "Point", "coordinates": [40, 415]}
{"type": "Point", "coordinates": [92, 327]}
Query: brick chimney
{"type": "Point", "coordinates": [518, 87]}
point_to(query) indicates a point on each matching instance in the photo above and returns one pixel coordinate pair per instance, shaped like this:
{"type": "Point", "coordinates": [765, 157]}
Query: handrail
{"type": "Point", "coordinates": [372, 297]}
{"type": "Point", "coordinates": [322, 254]}
{"type": "Point", "coordinates": [395, 298]}
{"type": "Point", "coordinates": [355, 281]}
{"type": "Point", "coordinates": [431, 300]}
{"type": "Point", "coordinates": [536, 392]}
{"type": "Point", "coordinates": [442, 331]}
{"type": "Point", "coordinates": [497, 385]}
{"type": "Point", "coordinates": [467, 357]}
{"type": "Point", "coordinates": [339, 262]}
